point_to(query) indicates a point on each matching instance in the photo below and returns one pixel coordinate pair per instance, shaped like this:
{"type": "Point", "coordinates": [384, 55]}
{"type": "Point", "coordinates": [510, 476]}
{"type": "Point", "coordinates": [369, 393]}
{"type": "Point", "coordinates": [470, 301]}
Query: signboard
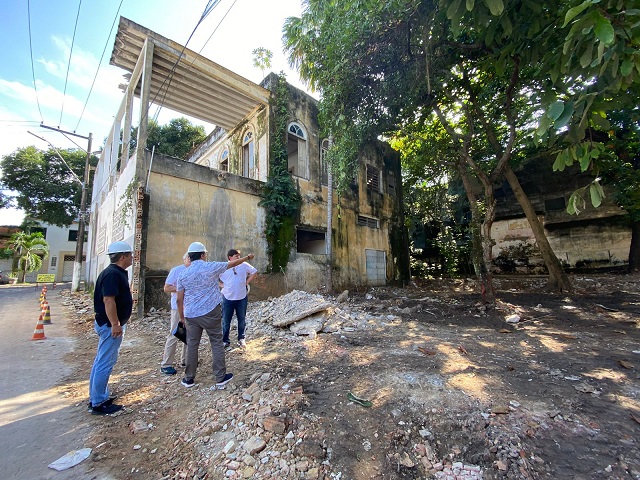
{"type": "Point", "coordinates": [46, 278]}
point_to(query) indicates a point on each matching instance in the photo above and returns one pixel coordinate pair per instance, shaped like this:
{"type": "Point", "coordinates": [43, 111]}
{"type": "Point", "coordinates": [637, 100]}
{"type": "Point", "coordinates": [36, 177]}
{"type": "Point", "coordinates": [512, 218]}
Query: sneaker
{"type": "Point", "coordinates": [227, 378]}
{"type": "Point", "coordinates": [187, 382]}
{"type": "Point", "coordinates": [183, 364]}
{"type": "Point", "coordinates": [227, 346]}
{"type": "Point", "coordinates": [168, 370]}
{"type": "Point", "coordinates": [105, 409]}
{"type": "Point", "coordinates": [108, 401]}
{"type": "Point", "coordinates": [242, 343]}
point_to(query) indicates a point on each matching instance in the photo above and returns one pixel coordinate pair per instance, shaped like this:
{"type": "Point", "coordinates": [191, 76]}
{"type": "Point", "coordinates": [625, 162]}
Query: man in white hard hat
{"type": "Point", "coordinates": [113, 304]}
{"type": "Point", "coordinates": [171, 344]}
{"type": "Point", "coordinates": [199, 300]}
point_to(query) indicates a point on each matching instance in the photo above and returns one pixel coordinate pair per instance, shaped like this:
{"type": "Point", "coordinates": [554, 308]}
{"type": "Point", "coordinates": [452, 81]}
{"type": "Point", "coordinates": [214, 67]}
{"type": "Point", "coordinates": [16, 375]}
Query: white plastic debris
{"type": "Point", "coordinates": [71, 459]}
{"type": "Point", "coordinates": [512, 318]}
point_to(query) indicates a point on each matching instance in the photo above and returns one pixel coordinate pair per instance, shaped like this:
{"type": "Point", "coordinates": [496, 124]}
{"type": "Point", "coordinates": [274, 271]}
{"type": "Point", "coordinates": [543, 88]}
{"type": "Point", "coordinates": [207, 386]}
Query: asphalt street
{"type": "Point", "coordinates": [38, 425]}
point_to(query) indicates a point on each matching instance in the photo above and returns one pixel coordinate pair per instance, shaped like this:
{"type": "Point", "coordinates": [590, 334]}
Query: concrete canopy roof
{"type": "Point", "coordinates": [198, 87]}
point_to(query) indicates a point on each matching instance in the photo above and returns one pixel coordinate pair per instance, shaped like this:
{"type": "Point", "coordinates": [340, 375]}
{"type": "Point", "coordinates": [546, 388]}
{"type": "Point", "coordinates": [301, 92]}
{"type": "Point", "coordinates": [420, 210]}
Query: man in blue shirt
{"type": "Point", "coordinates": [112, 303]}
{"type": "Point", "coordinates": [199, 299]}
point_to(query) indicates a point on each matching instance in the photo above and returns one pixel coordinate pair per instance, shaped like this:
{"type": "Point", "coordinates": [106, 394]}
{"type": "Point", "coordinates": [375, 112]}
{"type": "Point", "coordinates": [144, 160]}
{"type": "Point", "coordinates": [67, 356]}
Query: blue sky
{"type": "Point", "coordinates": [240, 26]}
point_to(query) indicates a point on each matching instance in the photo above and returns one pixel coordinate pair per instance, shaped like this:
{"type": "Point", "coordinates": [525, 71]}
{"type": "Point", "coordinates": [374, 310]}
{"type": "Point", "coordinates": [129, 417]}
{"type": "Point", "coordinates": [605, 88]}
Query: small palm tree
{"type": "Point", "coordinates": [30, 249]}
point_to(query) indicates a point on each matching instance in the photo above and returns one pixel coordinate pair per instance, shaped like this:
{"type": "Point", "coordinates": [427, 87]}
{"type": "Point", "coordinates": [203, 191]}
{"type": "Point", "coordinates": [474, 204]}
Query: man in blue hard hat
{"type": "Point", "coordinates": [113, 304]}
{"type": "Point", "coordinates": [199, 299]}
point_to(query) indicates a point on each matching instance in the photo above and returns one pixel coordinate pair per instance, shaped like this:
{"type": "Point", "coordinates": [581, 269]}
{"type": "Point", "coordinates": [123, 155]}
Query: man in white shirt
{"type": "Point", "coordinates": [235, 283]}
{"type": "Point", "coordinates": [171, 344]}
{"type": "Point", "coordinates": [199, 301]}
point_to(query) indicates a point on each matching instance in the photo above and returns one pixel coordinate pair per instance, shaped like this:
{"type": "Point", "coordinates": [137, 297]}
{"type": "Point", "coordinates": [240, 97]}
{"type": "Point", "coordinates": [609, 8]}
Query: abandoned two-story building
{"type": "Point", "coordinates": [161, 204]}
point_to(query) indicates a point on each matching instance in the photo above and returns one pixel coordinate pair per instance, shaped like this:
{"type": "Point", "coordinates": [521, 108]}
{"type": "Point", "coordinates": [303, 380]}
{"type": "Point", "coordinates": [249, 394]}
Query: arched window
{"type": "Point", "coordinates": [248, 157]}
{"type": "Point", "coordinates": [224, 160]}
{"type": "Point", "coordinates": [297, 151]}
{"type": "Point", "coordinates": [324, 168]}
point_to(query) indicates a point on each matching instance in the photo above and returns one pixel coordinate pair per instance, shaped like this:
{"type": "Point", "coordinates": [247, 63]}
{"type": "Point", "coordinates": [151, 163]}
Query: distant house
{"type": "Point", "coordinates": [62, 251]}
{"type": "Point", "coordinates": [596, 238]}
{"type": "Point", "coordinates": [161, 204]}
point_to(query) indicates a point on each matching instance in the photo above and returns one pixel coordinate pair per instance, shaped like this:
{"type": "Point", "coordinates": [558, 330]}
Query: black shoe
{"type": "Point", "coordinates": [227, 378]}
{"type": "Point", "coordinates": [168, 370]}
{"type": "Point", "coordinates": [106, 409]}
{"type": "Point", "coordinates": [108, 401]}
{"type": "Point", "coordinates": [188, 382]}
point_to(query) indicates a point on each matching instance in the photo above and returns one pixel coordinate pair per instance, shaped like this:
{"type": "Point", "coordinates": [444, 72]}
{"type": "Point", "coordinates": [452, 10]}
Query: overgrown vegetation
{"type": "Point", "coordinates": [281, 199]}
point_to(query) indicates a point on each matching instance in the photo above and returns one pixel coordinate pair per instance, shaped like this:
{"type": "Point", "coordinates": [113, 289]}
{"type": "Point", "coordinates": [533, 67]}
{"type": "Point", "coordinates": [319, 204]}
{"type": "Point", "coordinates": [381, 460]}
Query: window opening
{"type": "Point", "coordinates": [368, 222]}
{"type": "Point", "coordinates": [224, 160]}
{"type": "Point", "coordinates": [311, 241]}
{"type": "Point", "coordinates": [248, 160]}
{"type": "Point", "coordinates": [373, 178]}
{"type": "Point", "coordinates": [54, 261]}
{"type": "Point", "coordinates": [297, 151]}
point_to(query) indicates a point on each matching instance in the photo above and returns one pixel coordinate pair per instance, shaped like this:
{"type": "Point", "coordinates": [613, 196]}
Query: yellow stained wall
{"type": "Point", "coordinates": [182, 211]}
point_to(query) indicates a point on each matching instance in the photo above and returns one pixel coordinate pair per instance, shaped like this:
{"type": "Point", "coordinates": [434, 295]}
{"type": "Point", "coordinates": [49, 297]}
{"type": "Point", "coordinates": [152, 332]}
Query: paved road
{"type": "Point", "coordinates": [37, 425]}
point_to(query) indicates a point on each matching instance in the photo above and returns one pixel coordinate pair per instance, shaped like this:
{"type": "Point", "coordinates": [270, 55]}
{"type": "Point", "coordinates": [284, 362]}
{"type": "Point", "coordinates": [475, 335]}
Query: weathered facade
{"type": "Point", "coordinates": [597, 237]}
{"type": "Point", "coordinates": [161, 204]}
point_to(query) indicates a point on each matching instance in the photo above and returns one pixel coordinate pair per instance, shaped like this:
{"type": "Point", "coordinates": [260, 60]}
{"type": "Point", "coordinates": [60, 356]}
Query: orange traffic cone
{"type": "Point", "coordinates": [47, 314]}
{"type": "Point", "coordinates": [38, 333]}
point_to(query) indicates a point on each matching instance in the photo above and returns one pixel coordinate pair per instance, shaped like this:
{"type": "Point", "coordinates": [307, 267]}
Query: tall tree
{"type": "Point", "coordinates": [29, 250]}
{"type": "Point", "coordinates": [47, 186]}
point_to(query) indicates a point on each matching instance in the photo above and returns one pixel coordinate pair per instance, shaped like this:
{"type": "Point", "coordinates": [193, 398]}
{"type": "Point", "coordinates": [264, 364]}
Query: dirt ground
{"type": "Point", "coordinates": [456, 390]}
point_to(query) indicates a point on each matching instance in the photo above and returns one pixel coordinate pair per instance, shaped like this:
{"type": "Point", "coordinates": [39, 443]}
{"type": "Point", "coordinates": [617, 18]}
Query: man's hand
{"type": "Point", "coordinates": [250, 256]}
{"type": "Point", "coordinates": [116, 330]}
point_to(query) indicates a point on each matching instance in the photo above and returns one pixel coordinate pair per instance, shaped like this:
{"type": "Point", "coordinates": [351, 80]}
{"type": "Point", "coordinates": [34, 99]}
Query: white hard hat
{"type": "Point", "coordinates": [197, 247]}
{"type": "Point", "coordinates": [119, 247]}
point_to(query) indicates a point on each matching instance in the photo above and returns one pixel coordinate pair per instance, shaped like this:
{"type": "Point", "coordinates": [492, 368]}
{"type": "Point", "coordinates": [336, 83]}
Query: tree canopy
{"type": "Point", "coordinates": [493, 72]}
{"type": "Point", "coordinates": [175, 139]}
{"type": "Point", "coordinates": [45, 185]}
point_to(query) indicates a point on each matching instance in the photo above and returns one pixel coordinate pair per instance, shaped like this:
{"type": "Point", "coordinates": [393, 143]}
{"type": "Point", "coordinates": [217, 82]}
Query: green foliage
{"type": "Point", "coordinates": [46, 188]}
{"type": "Point", "coordinates": [262, 58]}
{"type": "Point", "coordinates": [175, 139]}
{"type": "Point", "coordinates": [281, 199]}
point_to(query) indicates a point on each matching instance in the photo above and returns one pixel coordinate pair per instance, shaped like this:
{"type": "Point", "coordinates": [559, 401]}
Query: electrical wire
{"type": "Point", "coordinates": [214, 30]}
{"type": "Point", "coordinates": [33, 73]}
{"type": "Point", "coordinates": [99, 63]}
{"type": "Point", "coordinates": [64, 94]}
{"type": "Point", "coordinates": [210, 6]}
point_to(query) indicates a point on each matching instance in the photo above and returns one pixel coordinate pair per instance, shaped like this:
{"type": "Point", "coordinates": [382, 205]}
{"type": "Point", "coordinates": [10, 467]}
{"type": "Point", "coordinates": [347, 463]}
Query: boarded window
{"type": "Point", "coordinates": [376, 267]}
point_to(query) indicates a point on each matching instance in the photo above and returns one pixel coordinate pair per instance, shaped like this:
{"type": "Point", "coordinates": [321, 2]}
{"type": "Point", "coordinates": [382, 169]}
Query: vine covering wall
{"type": "Point", "coordinates": [281, 199]}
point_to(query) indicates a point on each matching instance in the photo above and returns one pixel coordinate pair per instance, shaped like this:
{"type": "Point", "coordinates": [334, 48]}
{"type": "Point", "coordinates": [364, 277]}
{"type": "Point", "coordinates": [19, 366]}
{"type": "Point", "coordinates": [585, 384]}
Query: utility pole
{"type": "Point", "coordinates": [77, 264]}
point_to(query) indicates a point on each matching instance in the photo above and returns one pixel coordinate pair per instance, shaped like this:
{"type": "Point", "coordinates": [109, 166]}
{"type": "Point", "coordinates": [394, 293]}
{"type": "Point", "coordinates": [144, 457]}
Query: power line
{"type": "Point", "coordinates": [33, 73]}
{"type": "Point", "coordinates": [64, 94]}
{"type": "Point", "coordinates": [99, 63]}
{"type": "Point", "coordinates": [217, 26]}
{"type": "Point", "coordinates": [210, 6]}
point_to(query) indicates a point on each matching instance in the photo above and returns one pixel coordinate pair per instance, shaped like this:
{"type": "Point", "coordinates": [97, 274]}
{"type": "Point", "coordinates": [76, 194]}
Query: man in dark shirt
{"type": "Point", "coordinates": [112, 303]}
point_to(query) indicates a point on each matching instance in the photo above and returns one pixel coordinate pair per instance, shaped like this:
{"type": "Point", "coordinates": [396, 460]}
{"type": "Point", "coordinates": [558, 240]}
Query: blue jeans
{"type": "Point", "coordinates": [228, 307]}
{"type": "Point", "coordinates": [106, 358]}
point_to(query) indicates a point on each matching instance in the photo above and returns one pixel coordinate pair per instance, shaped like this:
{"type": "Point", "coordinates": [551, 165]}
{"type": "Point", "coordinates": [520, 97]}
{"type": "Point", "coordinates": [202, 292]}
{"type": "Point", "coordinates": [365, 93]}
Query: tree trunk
{"type": "Point", "coordinates": [558, 279]}
{"type": "Point", "coordinates": [479, 241]}
{"type": "Point", "coordinates": [634, 248]}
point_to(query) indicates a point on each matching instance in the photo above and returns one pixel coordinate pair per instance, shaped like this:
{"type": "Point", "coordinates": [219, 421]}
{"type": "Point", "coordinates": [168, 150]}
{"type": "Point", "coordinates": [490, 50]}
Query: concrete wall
{"type": "Point", "coordinates": [188, 203]}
